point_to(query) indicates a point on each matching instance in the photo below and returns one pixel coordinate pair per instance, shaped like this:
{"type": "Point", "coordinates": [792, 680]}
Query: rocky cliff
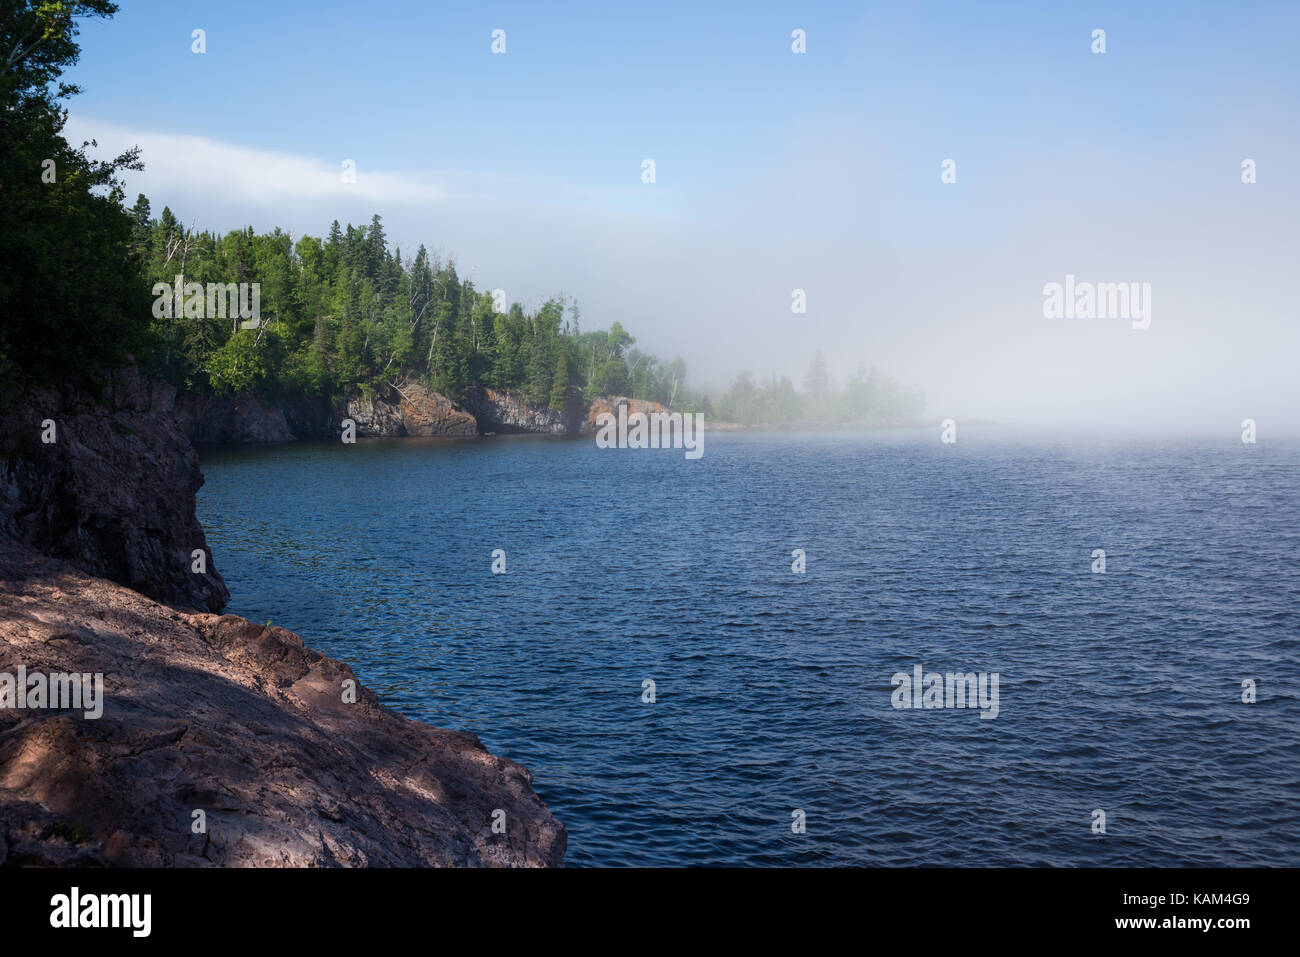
{"type": "Point", "coordinates": [506, 412]}
{"type": "Point", "coordinates": [215, 714]}
{"type": "Point", "coordinates": [220, 420]}
{"type": "Point", "coordinates": [107, 483]}
{"type": "Point", "coordinates": [412, 410]}
{"type": "Point", "coordinates": [246, 418]}
{"type": "Point", "coordinates": [286, 759]}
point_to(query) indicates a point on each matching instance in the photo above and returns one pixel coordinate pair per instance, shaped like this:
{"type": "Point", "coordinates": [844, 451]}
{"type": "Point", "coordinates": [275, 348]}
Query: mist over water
{"type": "Point", "coordinates": [1119, 691]}
{"type": "Point", "coordinates": [820, 172]}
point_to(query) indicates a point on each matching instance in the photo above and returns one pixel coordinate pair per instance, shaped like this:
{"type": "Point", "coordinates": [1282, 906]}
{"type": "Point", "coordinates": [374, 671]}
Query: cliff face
{"type": "Point", "coordinates": [112, 492]}
{"type": "Point", "coordinates": [220, 420]}
{"type": "Point", "coordinates": [289, 760]}
{"type": "Point", "coordinates": [245, 418]}
{"type": "Point", "coordinates": [241, 722]}
{"type": "Point", "coordinates": [412, 411]}
{"type": "Point", "coordinates": [507, 413]}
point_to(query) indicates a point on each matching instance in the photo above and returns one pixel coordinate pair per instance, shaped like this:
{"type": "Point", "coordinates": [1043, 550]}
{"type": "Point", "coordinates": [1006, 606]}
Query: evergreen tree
{"type": "Point", "coordinates": [560, 384]}
{"type": "Point", "coordinates": [141, 232]}
{"type": "Point", "coordinates": [71, 289]}
{"type": "Point", "coordinates": [376, 252]}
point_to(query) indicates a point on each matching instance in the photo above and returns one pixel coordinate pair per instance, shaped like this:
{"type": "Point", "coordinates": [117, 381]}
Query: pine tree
{"type": "Point", "coordinates": [140, 233]}
{"type": "Point", "coordinates": [817, 381]}
{"type": "Point", "coordinates": [333, 248]}
{"type": "Point", "coordinates": [376, 255]}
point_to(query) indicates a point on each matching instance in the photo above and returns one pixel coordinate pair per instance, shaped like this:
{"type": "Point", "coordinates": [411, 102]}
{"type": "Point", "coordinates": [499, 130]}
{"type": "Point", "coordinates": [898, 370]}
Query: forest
{"type": "Point", "coordinates": [347, 312]}
{"type": "Point", "coordinates": [78, 270]}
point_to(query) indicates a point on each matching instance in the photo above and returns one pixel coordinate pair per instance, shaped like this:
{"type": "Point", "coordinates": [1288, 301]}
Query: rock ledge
{"type": "Point", "coordinates": [243, 722]}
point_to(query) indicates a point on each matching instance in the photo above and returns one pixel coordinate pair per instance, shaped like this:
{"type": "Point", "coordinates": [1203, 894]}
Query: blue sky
{"type": "Point", "coordinates": [774, 170]}
{"type": "Point", "coordinates": [585, 93]}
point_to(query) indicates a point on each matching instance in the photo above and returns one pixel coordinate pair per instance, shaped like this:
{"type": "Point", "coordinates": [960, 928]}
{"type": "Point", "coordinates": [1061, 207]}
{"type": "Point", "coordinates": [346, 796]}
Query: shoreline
{"type": "Point", "coordinates": [247, 419]}
{"type": "Point", "coordinates": [105, 569]}
{"type": "Point", "coordinates": [281, 754]}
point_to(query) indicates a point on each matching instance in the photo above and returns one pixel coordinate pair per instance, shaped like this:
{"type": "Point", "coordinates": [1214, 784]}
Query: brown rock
{"type": "Point", "coordinates": [244, 722]}
{"type": "Point", "coordinates": [114, 493]}
{"type": "Point", "coordinates": [610, 403]}
{"type": "Point", "coordinates": [413, 410]}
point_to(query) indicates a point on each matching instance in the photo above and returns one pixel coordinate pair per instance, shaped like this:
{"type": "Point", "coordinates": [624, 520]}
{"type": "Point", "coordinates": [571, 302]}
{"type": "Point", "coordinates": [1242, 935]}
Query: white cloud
{"type": "Point", "coordinates": [236, 174]}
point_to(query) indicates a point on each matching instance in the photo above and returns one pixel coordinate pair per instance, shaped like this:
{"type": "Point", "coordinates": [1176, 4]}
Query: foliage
{"type": "Point", "coordinates": [344, 312]}
{"type": "Point", "coordinates": [866, 398]}
{"type": "Point", "coordinates": [70, 292]}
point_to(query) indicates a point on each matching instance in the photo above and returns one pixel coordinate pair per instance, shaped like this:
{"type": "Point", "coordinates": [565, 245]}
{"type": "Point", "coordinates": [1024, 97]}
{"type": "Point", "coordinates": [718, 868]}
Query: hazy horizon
{"type": "Point", "coordinates": [778, 171]}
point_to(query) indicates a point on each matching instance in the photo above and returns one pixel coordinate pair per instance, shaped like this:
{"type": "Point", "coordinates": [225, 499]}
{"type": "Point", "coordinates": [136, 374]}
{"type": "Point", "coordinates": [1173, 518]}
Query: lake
{"type": "Point", "coordinates": [773, 691]}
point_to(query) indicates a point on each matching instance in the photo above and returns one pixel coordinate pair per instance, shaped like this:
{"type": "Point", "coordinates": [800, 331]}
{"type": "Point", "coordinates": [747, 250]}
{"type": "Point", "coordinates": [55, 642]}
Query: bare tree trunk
{"type": "Point", "coordinates": [182, 244]}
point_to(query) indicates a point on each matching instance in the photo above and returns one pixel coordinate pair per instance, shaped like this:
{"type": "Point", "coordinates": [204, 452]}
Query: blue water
{"type": "Point", "coordinates": [1118, 691]}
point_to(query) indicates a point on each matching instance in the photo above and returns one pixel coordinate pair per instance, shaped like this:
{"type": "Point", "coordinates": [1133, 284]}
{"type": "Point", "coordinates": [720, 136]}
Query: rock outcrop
{"type": "Point", "coordinates": [107, 483]}
{"type": "Point", "coordinates": [508, 413]}
{"type": "Point", "coordinates": [218, 420]}
{"type": "Point", "coordinates": [609, 404]}
{"type": "Point", "coordinates": [413, 410]}
{"type": "Point", "coordinates": [311, 418]}
{"type": "Point", "coordinates": [246, 419]}
{"type": "Point", "coordinates": [241, 722]}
